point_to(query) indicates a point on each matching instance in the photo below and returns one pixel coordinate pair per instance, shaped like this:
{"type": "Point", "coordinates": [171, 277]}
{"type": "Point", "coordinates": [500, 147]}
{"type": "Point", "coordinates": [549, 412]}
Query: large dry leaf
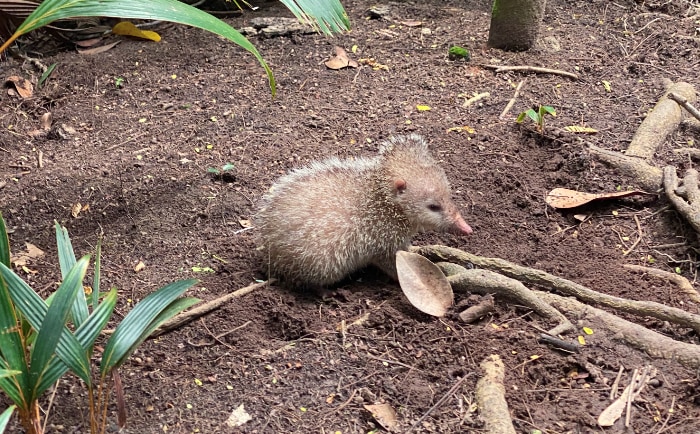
{"type": "Point", "coordinates": [23, 258]}
{"type": "Point", "coordinates": [384, 414]}
{"type": "Point", "coordinates": [423, 283]}
{"type": "Point", "coordinates": [565, 198]}
{"type": "Point", "coordinates": [24, 87]}
{"type": "Point", "coordinates": [340, 60]}
{"type": "Point", "coordinates": [99, 49]}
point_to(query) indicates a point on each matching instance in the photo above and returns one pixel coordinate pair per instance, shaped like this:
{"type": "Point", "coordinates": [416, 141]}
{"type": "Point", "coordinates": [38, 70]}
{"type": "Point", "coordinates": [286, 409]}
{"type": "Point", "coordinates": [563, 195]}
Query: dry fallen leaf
{"type": "Point", "coordinates": [24, 87]}
{"type": "Point", "coordinates": [423, 284]}
{"type": "Point", "coordinates": [139, 267]}
{"type": "Point", "coordinates": [100, 49]}
{"type": "Point", "coordinates": [412, 23]}
{"type": "Point", "coordinates": [340, 60]}
{"type": "Point", "coordinates": [45, 121]}
{"type": "Point", "coordinates": [384, 414]}
{"type": "Point", "coordinates": [75, 209]}
{"type": "Point", "coordinates": [23, 258]}
{"type": "Point", "coordinates": [370, 61]}
{"type": "Point", "coordinates": [126, 28]}
{"type": "Point", "coordinates": [565, 198]}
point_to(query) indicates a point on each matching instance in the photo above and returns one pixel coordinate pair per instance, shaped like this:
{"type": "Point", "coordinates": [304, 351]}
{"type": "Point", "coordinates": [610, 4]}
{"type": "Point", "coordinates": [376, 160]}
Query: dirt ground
{"type": "Point", "coordinates": [136, 129]}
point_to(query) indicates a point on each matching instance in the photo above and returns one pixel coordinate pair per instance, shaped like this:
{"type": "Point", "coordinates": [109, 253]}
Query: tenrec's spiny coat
{"type": "Point", "coordinates": [322, 222]}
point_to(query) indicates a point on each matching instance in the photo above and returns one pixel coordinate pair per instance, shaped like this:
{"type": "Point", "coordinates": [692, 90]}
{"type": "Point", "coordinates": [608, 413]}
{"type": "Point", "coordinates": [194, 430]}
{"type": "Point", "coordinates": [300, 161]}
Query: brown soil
{"type": "Point", "coordinates": [139, 154]}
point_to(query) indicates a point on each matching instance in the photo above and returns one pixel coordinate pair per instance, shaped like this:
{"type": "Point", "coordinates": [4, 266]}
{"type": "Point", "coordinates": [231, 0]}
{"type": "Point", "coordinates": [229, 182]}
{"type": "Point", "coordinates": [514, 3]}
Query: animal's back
{"type": "Point", "coordinates": [311, 217]}
{"type": "Point", "coordinates": [322, 222]}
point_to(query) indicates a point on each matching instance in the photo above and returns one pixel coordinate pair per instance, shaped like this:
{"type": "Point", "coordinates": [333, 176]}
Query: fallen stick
{"type": "Point", "coordinates": [532, 276]}
{"type": "Point", "coordinates": [651, 342]}
{"type": "Point", "coordinates": [203, 309]}
{"type": "Point", "coordinates": [490, 397]}
{"type": "Point", "coordinates": [680, 99]}
{"type": "Point", "coordinates": [536, 69]}
{"type": "Point", "coordinates": [512, 100]}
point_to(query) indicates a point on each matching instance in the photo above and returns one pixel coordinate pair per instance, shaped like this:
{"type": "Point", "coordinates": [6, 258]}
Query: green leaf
{"type": "Point", "coordinates": [52, 328]}
{"type": "Point", "coordinates": [66, 258]}
{"type": "Point", "coordinates": [213, 170]}
{"type": "Point", "coordinates": [129, 332]}
{"type": "Point", "coordinates": [12, 347]}
{"type": "Point", "coordinates": [46, 74]}
{"type": "Point", "coordinates": [227, 167]}
{"type": "Point", "coordinates": [328, 15]}
{"type": "Point", "coordinates": [166, 10]}
{"type": "Point", "coordinates": [34, 310]}
{"type": "Point", "coordinates": [4, 243]}
{"type": "Point", "coordinates": [549, 109]}
{"type": "Point", "coordinates": [533, 115]}
{"type": "Point", "coordinates": [521, 117]}
{"type": "Point", "coordinates": [5, 417]}
{"type": "Point", "coordinates": [86, 335]}
{"type": "Point", "coordinates": [4, 373]}
{"type": "Point", "coordinates": [96, 279]}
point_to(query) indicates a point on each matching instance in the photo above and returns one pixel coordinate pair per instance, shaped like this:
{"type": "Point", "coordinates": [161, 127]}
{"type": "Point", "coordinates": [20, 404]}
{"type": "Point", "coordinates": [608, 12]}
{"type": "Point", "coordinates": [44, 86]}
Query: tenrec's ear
{"type": "Point", "coordinates": [399, 185]}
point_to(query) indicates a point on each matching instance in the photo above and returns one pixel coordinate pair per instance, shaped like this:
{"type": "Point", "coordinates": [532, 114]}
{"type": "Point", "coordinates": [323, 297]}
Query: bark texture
{"type": "Point", "coordinates": [515, 24]}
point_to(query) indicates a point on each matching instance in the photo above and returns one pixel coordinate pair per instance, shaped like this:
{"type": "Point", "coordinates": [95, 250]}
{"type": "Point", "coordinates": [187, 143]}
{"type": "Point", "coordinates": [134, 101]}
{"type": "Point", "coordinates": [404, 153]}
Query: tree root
{"type": "Point", "coordinates": [490, 397]}
{"type": "Point", "coordinates": [648, 176]}
{"type": "Point", "coordinates": [531, 276]}
{"type": "Point", "coordinates": [690, 209]}
{"type": "Point", "coordinates": [662, 121]}
{"type": "Point", "coordinates": [651, 342]}
{"type": "Point", "coordinates": [488, 282]}
{"type": "Point", "coordinates": [683, 283]}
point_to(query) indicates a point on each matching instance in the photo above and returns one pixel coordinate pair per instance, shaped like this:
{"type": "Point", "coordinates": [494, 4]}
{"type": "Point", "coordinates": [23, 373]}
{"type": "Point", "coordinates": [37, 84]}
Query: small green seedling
{"type": "Point", "coordinates": [537, 116]}
{"type": "Point", "coordinates": [225, 173]}
{"type": "Point", "coordinates": [119, 82]}
{"type": "Point", "coordinates": [456, 53]}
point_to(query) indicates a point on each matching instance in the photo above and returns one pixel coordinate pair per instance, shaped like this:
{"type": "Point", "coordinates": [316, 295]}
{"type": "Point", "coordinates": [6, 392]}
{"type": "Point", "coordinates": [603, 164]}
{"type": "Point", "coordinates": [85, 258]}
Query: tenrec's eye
{"type": "Point", "coordinates": [434, 207]}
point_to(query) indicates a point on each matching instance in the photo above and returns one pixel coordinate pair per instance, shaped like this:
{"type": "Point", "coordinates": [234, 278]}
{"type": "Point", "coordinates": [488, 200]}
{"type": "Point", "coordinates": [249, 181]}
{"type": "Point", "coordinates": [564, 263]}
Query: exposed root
{"type": "Point", "coordinates": [648, 176]}
{"type": "Point", "coordinates": [488, 282]}
{"type": "Point", "coordinates": [531, 276]}
{"type": "Point", "coordinates": [662, 121]}
{"type": "Point", "coordinates": [690, 209]}
{"type": "Point", "coordinates": [490, 397]}
{"type": "Point", "coordinates": [683, 283]}
{"type": "Point", "coordinates": [654, 344]}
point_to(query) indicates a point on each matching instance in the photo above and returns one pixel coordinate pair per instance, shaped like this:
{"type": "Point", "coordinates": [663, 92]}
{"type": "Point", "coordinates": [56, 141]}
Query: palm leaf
{"type": "Point", "coordinates": [51, 330]}
{"type": "Point", "coordinates": [34, 309]}
{"type": "Point", "coordinates": [66, 259]}
{"type": "Point", "coordinates": [5, 417]}
{"type": "Point", "coordinates": [166, 10]}
{"type": "Point", "coordinates": [129, 332]}
{"type": "Point", "coordinates": [325, 15]}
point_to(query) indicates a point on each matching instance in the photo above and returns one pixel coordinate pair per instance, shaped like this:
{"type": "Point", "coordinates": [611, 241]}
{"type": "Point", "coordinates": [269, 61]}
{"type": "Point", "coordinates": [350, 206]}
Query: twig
{"type": "Point", "coordinates": [616, 383]}
{"type": "Point", "coordinates": [449, 393]}
{"type": "Point", "coordinates": [475, 98]}
{"type": "Point", "coordinates": [512, 100]}
{"type": "Point", "coordinates": [685, 104]}
{"type": "Point", "coordinates": [490, 397]}
{"type": "Point", "coordinates": [639, 238]}
{"type": "Point", "coordinates": [536, 69]}
{"type": "Point", "coordinates": [668, 417]}
{"type": "Point", "coordinates": [205, 308]}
